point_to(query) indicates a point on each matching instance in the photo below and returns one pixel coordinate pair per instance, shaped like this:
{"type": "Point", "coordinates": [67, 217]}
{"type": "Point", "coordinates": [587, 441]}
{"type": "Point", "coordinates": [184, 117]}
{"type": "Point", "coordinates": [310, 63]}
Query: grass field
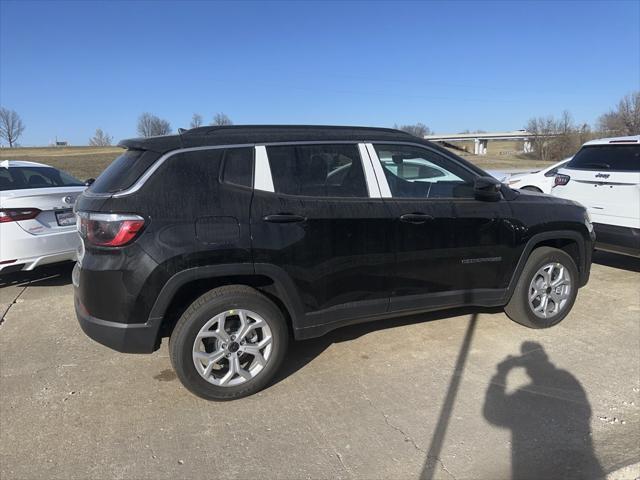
{"type": "Point", "coordinates": [81, 162]}
{"type": "Point", "coordinates": [88, 162]}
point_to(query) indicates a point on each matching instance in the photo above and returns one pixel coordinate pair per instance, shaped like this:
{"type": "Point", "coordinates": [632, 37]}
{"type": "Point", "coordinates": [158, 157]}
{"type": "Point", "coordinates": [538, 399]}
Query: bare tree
{"type": "Point", "coordinates": [221, 119]}
{"type": "Point", "coordinates": [474, 131]}
{"type": "Point", "coordinates": [196, 120]}
{"type": "Point", "coordinates": [417, 130]}
{"type": "Point", "coordinates": [151, 126]}
{"type": "Point", "coordinates": [542, 130]}
{"type": "Point", "coordinates": [11, 126]}
{"type": "Point", "coordinates": [625, 120]}
{"type": "Point", "coordinates": [556, 139]}
{"type": "Point", "coordinates": [100, 139]}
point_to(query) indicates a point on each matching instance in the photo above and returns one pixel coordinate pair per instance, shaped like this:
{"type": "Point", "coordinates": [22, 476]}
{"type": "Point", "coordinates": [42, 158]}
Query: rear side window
{"type": "Point", "coordinates": [124, 171]}
{"type": "Point", "coordinates": [317, 170]}
{"type": "Point", "coordinates": [620, 158]}
{"type": "Point", "coordinates": [19, 178]}
{"type": "Point", "coordinates": [238, 167]}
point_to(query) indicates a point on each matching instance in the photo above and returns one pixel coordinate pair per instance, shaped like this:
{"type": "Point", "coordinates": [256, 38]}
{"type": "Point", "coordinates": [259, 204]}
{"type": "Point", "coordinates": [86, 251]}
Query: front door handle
{"type": "Point", "coordinates": [284, 218]}
{"type": "Point", "coordinates": [415, 218]}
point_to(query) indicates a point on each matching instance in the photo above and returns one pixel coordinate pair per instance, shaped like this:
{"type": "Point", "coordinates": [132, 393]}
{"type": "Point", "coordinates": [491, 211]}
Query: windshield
{"type": "Point", "coordinates": [621, 158]}
{"type": "Point", "coordinates": [19, 178]}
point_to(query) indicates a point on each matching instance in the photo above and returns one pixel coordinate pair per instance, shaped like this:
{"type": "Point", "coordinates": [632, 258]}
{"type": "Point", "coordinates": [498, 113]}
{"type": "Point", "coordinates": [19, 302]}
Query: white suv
{"type": "Point", "coordinates": [605, 177]}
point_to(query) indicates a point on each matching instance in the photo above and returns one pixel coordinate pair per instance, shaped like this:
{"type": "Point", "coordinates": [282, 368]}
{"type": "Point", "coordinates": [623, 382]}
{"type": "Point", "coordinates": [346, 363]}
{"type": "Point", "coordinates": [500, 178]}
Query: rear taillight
{"type": "Point", "coordinates": [16, 214]}
{"type": "Point", "coordinates": [109, 229]}
{"type": "Point", "coordinates": [562, 180]}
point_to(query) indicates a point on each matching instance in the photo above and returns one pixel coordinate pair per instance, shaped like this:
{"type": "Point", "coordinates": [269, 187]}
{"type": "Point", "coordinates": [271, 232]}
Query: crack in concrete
{"type": "Point", "coordinates": [13, 302]}
{"type": "Point", "coordinates": [342, 462]}
{"type": "Point", "coordinates": [408, 438]}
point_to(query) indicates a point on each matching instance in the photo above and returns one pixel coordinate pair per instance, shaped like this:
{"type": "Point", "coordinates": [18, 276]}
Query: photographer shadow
{"type": "Point", "coordinates": [549, 419]}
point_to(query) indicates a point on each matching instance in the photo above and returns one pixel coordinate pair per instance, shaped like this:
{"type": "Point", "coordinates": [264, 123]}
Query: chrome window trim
{"type": "Point", "coordinates": [373, 191]}
{"type": "Point", "coordinates": [156, 165]}
{"type": "Point", "coordinates": [262, 178]}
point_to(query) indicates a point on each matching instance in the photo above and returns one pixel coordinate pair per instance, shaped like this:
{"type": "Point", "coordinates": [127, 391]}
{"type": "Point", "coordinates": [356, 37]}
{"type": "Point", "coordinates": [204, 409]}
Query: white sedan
{"type": "Point", "coordinates": [538, 181]}
{"type": "Point", "coordinates": [37, 223]}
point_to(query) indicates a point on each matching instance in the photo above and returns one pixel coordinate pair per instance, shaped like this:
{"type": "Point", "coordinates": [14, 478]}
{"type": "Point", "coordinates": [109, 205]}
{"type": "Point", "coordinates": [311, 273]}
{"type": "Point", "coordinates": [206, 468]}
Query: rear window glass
{"type": "Point", "coordinates": [317, 170]}
{"type": "Point", "coordinates": [19, 178]}
{"type": "Point", "coordinates": [124, 171]}
{"type": "Point", "coordinates": [621, 158]}
{"type": "Point", "coordinates": [238, 166]}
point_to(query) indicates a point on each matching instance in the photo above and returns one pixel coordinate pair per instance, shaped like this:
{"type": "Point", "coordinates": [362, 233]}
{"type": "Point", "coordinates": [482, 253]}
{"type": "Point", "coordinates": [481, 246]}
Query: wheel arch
{"type": "Point", "coordinates": [187, 285]}
{"type": "Point", "coordinates": [572, 242]}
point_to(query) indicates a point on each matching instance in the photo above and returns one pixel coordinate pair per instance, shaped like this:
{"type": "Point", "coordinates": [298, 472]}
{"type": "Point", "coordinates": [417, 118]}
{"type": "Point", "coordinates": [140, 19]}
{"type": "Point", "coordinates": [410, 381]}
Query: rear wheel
{"type": "Point", "coordinates": [546, 289]}
{"type": "Point", "coordinates": [229, 343]}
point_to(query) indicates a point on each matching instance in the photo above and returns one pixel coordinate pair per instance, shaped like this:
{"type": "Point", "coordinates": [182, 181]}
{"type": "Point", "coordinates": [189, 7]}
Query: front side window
{"type": "Point", "coordinates": [414, 172]}
{"type": "Point", "coordinates": [317, 170]}
{"type": "Point", "coordinates": [17, 178]}
{"type": "Point", "coordinates": [618, 158]}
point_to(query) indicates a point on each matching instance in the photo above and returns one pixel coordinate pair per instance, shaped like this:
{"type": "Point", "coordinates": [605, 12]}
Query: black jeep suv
{"type": "Point", "coordinates": [229, 240]}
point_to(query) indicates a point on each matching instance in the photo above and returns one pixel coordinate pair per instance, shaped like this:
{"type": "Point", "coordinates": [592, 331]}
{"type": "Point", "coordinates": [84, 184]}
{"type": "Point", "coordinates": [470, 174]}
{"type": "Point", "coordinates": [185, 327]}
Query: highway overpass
{"type": "Point", "coordinates": [480, 140]}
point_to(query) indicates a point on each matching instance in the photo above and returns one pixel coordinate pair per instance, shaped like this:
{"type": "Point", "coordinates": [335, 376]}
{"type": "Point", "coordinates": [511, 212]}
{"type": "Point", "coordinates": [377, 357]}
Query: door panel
{"type": "Point", "coordinates": [462, 247]}
{"type": "Point", "coordinates": [336, 250]}
{"type": "Point", "coordinates": [448, 244]}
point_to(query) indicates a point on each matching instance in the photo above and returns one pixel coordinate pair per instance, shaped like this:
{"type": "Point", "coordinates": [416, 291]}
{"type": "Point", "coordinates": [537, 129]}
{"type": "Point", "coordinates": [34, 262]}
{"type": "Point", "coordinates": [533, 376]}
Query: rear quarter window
{"type": "Point", "coordinates": [124, 171]}
{"type": "Point", "coordinates": [618, 158]}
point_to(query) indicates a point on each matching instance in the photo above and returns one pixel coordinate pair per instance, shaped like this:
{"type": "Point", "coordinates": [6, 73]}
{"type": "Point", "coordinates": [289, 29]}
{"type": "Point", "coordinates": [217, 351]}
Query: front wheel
{"type": "Point", "coordinates": [546, 289]}
{"type": "Point", "coordinates": [229, 343]}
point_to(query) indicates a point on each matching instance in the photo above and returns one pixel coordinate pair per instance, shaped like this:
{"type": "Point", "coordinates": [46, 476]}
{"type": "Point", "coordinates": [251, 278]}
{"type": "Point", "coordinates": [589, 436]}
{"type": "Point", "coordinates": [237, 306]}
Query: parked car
{"type": "Point", "coordinates": [499, 175]}
{"type": "Point", "coordinates": [229, 239]}
{"type": "Point", "coordinates": [604, 176]}
{"type": "Point", "coordinates": [541, 181]}
{"type": "Point", "coordinates": [37, 224]}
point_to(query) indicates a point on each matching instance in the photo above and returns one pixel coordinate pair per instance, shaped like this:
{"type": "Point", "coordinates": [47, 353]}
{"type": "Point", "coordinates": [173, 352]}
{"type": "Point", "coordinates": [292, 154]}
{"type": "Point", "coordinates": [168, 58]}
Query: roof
{"type": "Point", "coordinates": [606, 141]}
{"type": "Point", "coordinates": [252, 134]}
{"type": "Point", "coordinates": [21, 163]}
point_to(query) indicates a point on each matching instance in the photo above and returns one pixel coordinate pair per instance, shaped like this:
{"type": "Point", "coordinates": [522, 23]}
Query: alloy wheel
{"type": "Point", "coordinates": [550, 290]}
{"type": "Point", "coordinates": [232, 347]}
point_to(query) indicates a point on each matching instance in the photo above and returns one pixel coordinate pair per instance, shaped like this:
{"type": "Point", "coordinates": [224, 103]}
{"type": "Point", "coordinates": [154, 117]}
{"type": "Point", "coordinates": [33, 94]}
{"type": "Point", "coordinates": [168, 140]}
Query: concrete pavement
{"type": "Point", "coordinates": [416, 397]}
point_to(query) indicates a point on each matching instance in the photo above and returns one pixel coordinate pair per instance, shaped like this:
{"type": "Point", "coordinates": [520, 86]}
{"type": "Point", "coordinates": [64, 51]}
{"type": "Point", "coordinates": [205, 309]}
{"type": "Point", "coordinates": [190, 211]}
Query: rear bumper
{"type": "Point", "coordinates": [613, 238]}
{"type": "Point", "coordinates": [30, 251]}
{"type": "Point", "coordinates": [33, 262]}
{"type": "Point", "coordinates": [123, 337]}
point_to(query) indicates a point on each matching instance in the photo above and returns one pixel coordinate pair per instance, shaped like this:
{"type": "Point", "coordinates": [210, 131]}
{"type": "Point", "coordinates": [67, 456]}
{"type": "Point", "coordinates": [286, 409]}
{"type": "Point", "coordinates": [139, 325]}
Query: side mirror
{"type": "Point", "coordinates": [487, 189]}
{"type": "Point", "coordinates": [89, 181]}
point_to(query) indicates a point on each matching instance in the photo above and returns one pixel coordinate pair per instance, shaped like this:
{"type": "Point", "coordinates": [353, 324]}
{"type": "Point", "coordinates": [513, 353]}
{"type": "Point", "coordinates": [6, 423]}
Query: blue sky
{"type": "Point", "coordinates": [70, 67]}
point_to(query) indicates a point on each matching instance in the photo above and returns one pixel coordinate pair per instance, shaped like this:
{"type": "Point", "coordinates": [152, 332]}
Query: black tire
{"type": "Point", "coordinates": [519, 309]}
{"type": "Point", "coordinates": [531, 189]}
{"type": "Point", "coordinates": [206, 307]}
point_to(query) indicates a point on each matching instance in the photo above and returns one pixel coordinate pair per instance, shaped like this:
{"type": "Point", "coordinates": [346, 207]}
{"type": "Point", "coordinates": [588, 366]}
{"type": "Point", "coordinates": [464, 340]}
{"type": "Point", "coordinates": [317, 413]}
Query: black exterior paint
{"type": "Point", "coordinates": [333, 261]}
{"type": "Point", "coordinates": [613, 238]}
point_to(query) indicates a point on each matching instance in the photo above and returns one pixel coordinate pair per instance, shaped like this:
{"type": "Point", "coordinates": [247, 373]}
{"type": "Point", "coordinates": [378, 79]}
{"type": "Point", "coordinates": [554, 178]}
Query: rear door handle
{"type": "Point", "coordinates": [284, 218]}
{"type": "Point", "coordinates": [415, 218]}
